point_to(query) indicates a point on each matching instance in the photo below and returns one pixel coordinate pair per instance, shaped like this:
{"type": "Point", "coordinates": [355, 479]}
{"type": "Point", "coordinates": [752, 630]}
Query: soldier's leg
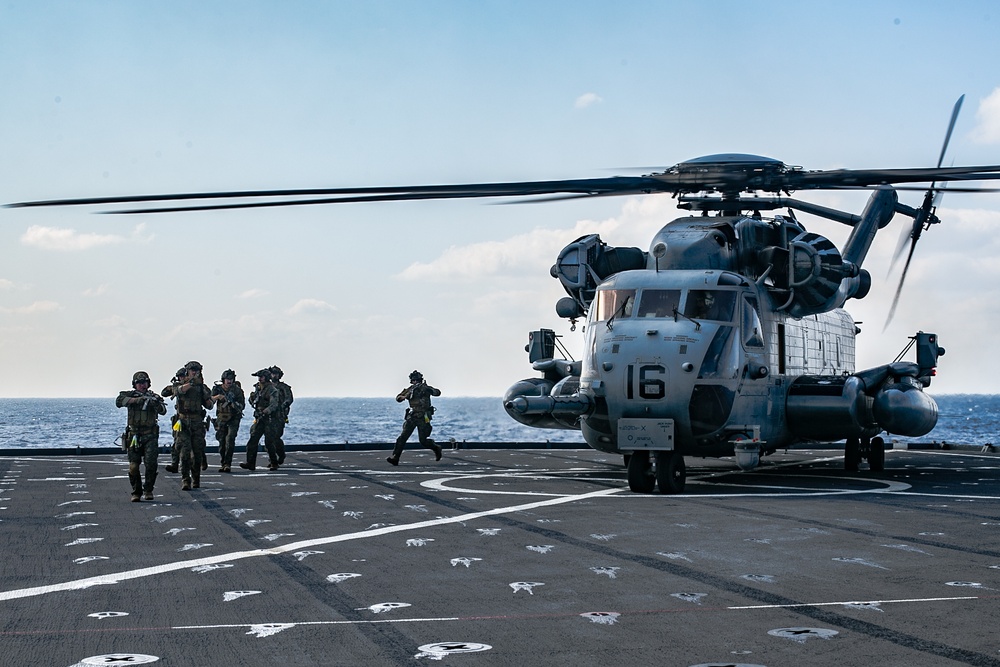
{"type": "Point", "coordinates": [134, 476]}
{"type": "Point", "coordinates": [270, 436]}
{"type": "Point", "coordinates": [198, 445]}
{"type": "Point", "coordinates": [175, 450]}
{"type": "Point", "coordinates": [186, 454]}
{"type": "Point", "coordinates": [256, 431]}
{"type": "Point", "coordinates": [231, 433]}
{"type": "Point", "coordinates": [151, 450]}
{"type": "Point", "coordinates": [408, 426]}
{"type": "Point", "coordinates": [279, 441]}
{"type": "Point", "coordinates": [424, 429]}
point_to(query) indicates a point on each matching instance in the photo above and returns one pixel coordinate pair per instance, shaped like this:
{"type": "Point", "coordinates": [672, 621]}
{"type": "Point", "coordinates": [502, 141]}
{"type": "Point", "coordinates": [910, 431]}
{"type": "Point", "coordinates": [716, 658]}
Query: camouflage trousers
{"type": "Point", "coordinates": [190, 444]}
{"type": "Point", "coordinates": [144, 451]}
{"type": "Point", "coordinates": [265, 427]}
{"type": "Point", "coordinates": [423, 428]}
{"type": "Point", "coordinates": [225, 433]}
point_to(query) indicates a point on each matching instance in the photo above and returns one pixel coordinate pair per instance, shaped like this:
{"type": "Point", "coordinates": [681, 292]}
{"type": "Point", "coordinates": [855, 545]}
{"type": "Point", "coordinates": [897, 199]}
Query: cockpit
{"type": "Point", "coordinates": [716, 305]}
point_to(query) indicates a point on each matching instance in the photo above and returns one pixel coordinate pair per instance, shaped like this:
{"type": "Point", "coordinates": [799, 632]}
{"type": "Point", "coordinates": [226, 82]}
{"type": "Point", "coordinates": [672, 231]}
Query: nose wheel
{"type": "Point", "coordinates": [856, 449]}
{"type": "Point", "coordinates": [669, 473]}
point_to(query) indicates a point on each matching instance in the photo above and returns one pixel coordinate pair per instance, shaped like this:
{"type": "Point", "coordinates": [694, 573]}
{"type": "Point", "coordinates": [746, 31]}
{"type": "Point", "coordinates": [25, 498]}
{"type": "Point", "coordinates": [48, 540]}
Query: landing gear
{"type": "Point", "coordinates": [872, 449]}
{"type": "Point", "coordinates": [670, 472]}
{"type": "Point", "coordinates": [852, 454]}
{"type": "Point", "coordinates": [640, 473]}
{"type": "Point", "coordinates": [876, 455]}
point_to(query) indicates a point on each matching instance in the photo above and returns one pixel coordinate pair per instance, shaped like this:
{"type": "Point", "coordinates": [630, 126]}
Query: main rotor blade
{"type": "Point", "coordinates": [899, 288]}
{"type": "Point", "coordinates": [951, 126]}
{"type": "Point", "coordinates": [611, 185]}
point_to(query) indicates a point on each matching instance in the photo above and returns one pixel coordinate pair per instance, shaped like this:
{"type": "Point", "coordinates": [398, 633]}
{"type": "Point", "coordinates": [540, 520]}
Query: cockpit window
{"type": "Point", "coordinates": [659, 302]}
{"type": "Point", "coordinates": [708, 304]}
{"type": "Point", "coordinates": [614, 303]}
{"type": "Point", "coordinates": [751, 324]}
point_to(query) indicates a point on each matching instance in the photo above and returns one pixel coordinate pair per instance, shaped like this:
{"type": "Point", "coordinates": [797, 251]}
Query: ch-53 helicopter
{"type": "Point", "coordinates": [727, 337]}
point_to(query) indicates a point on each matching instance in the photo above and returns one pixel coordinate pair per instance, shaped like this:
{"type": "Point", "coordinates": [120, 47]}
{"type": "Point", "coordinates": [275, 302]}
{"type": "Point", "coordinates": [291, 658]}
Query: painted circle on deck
{"type": "Point", "coordinates": [449, 648]}
{"type": "Point", "coordinates": [120, 659]}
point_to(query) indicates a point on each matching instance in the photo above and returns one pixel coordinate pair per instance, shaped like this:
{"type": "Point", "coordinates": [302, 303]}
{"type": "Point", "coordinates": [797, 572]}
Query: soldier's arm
{"type": "Point", "coordinates": [122, 399]}
{"type": "Point", "coordinates": [206, 397]}
{"type": "Point", "coordinates": [434, 391]}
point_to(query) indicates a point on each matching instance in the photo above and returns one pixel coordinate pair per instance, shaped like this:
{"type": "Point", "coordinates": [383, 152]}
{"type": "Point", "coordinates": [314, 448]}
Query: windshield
{"type": "Point", "coordinates": [710, 304]}
{"type": "Point", "coordinates": [614, 303]}
{"type": "Point", "coordinates": [659, 302]}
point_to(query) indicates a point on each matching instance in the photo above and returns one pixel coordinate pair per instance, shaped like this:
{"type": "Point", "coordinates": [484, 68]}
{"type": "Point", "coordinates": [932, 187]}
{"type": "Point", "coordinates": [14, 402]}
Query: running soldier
{"type": "Point", "coordinates": [175, 452]}
{"type": "Point", "coordinates": [192, 399]}
{"type": "Point", "coordinates": [141, 433]}
{"type": "Point", "coordinates": [418, 416]}
{"type": "Point", "coordinates": [285, 398]}
{"type": "Point", "coordinates": [229, 405]}
{"type": "Point", "coordinates": [266, 405]}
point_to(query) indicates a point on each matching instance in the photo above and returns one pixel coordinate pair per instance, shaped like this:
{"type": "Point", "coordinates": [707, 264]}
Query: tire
{"type": "Point", "coordinates": [640, 473]}
{"type": "Point", "coordinates": [876, 455]}
{"type": "Point", "coordinates": [852, 454]}
{"type": "Point", "coordinates": [670, 472]}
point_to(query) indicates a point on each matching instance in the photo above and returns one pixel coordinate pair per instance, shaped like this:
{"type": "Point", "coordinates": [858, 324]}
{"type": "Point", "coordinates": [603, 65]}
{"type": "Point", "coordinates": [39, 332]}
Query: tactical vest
{"type": "Point", "coordinates": [139, 420]}
{"type": "Point", "coordinates": [190, 405]}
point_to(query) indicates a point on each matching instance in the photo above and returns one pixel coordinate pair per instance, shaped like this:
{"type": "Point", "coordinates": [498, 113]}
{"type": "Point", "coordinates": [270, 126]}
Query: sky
{"type": "Point", "coordinates": [115, 98]}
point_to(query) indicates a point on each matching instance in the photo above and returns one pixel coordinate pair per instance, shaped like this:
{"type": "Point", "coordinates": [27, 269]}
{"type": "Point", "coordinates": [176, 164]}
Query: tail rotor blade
{"type": "Point", "coordinates": [899, 288]}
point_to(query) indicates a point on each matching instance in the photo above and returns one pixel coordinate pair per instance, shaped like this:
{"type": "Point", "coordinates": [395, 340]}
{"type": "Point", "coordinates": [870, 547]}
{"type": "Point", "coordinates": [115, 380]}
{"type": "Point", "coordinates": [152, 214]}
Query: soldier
{"type": "Point", "coordinates": [418, 416]}
{"type": "Point", "coordinates": [266, 406]}
{"type": "Point", "coordinates": [175, 452]}
{"type": "Point", "coordinates": [141, 434]}
{"type": "Point", "coordinates": [286, 398]}
{"type": "Point", "coordinates": [229, 405]}
{"type": "Point", "coordinates": [192, 399]}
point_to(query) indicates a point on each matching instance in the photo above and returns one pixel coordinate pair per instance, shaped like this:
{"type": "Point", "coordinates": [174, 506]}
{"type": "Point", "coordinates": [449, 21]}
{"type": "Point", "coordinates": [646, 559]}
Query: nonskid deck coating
{"type": "Point", "coordinates": [513, 557]}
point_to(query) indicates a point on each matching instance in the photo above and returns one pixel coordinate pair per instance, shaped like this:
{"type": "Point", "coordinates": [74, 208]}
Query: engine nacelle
{"type": "Point", "coordinates": [902, 408]}
{"type": "Point", "coordinates": [829, 408]}
{"type": "Point", "coordinates": [539, 403]}
{"type": "Point", "coordinates": [587, 261]}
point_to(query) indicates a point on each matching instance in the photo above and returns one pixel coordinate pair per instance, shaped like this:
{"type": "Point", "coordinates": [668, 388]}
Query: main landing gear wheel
{"type": "Point", "coordinates": [640, 473]}
{"type": "Point", "coordinates": [876, 455]}
{"type": "Point", "coordinates": [670, 472]}
{"type": "Point", "coordinates": [852, 454]}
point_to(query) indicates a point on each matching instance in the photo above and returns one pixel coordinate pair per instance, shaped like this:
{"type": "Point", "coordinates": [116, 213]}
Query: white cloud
{"type": "Point", "coordinates": [6, 284]}
{"type": "Point", "coordinates": [535, 252]}
{"type": "Point", "coordinates": [252, 293]}
{"type": "Point", "coordinates": [987, 130]}
{"type": "Point", "coordinates": [33, 309]}
{"type": "Point", "coordinates": [96, 291]}
{"type": "Point", "coordinates": [587, 99]}
{"type": "Point", "coordinates": [311, 306]}
{"type": "Point", "coordinates": [69, 240]}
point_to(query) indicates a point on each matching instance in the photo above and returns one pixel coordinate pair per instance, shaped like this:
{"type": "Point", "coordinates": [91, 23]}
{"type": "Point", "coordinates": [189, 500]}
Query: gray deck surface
{"type": "Point", "coordinates": [512, 557]}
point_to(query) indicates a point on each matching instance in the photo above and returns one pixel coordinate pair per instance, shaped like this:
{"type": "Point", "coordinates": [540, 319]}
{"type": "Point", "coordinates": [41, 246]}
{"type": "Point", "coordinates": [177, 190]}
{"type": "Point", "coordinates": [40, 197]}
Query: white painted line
{"type": "Point", "coordinates": [108, 579]}
{"type": "Point", "coordinates": [841, 604]}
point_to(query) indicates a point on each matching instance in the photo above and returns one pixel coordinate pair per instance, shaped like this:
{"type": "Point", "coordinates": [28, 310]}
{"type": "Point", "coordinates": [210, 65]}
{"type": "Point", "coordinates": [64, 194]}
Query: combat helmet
{"type": "Point", "coordinates": [263, 374]}
{"type": "Point", "coordinates": [193, 366]}
{"type": "Point", "coordinates": [229, 373]}
{"type": "Point", "coordinates": [140, 376]}
{"type": "Point", "coordinates": [416, 376]}
{"type": "Point", "coordinates": [276, 372]}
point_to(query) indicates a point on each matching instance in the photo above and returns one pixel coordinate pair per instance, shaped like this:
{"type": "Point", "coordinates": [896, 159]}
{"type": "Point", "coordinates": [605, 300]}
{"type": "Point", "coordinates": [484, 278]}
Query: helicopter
{"type": "Point", "coordinates": [727, 337]}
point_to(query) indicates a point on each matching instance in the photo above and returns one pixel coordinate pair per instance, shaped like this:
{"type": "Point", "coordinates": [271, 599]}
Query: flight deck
{"type": "Point", "coordinates": [503, 557]}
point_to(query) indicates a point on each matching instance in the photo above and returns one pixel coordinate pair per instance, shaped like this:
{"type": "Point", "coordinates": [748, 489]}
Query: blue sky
{"type": "Point", "coordinates": [110, 98]}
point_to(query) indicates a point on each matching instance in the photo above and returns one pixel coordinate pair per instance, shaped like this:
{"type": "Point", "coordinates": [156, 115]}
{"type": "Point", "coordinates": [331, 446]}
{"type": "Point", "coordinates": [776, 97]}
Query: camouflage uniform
{"type": "Point", "coordinates": [140, 438]}
{"type": "Point", "coordinates": [285, 397]}
{"type": "Point", "coordinates": [192, 397]}
{"type": "Point", "coordinates": [267, 405]}
{"type": "Point", "coordinates": [229, 411]}
{"type": "Point", "coordinates": [418, 416]}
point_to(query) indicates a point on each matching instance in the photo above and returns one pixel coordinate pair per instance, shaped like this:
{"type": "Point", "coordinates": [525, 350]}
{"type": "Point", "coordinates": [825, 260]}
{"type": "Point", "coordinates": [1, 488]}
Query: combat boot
{"type": "Point", "coordinates": [393, 460]}
{"type": "Point", "coordinates": [186, 486]}
{"type": "Point", "coordinates": [136, 497]}
{"type": "Point", "coordinates": [196, 475]}
{"type": "Point", "coordinates": [170, 467]}
{"type": "Point", "coordinates": [247, 466]}
{"type": "Point", "coordinates": [148, 495]}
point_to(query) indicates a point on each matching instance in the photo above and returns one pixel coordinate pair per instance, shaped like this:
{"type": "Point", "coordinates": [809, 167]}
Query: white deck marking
{"type": "Point", "coordinates": [119, 577]}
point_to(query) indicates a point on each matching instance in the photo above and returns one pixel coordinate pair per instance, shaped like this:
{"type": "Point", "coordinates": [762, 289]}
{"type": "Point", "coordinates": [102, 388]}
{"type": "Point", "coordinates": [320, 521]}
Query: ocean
{"type": "Point", "coordinates": [96, 422]}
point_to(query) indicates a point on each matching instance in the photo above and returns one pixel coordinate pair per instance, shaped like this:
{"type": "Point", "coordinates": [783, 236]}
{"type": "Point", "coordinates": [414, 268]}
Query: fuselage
{"type": "Point", "coordinates": [705, 349]}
